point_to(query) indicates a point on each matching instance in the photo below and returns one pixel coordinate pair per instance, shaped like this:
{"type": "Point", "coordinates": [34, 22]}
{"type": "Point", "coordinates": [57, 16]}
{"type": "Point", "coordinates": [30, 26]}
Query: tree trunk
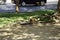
{"type": "Point", "coordinates": [58, 6]}
{"type": "Point", "coordinates": [17, 6]}
{"type": "Point", "coordinates": [57, 14]}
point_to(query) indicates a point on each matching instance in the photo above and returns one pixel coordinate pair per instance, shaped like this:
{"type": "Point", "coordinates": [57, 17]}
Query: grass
{"type": "Point", "coordinates": [6, 18]}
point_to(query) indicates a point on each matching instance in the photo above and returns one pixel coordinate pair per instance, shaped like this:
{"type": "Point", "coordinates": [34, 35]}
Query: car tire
{"type": "Point", "coordinates": [37, 4]}
{"type": "Point", "coordinates": [23, 4]}
{"type": "Point", "coordinates": [42, 3]}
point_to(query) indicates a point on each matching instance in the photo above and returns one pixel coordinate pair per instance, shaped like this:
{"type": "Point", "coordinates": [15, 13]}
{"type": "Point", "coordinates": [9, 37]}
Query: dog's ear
{"type": "Point", "coordinates": [33, 20]}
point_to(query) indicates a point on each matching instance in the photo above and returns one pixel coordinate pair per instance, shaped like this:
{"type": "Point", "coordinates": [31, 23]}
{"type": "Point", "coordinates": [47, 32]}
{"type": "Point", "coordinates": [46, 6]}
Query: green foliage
{"type": "Point", "coordinates": [47, 16]}
{"type": "Point", "coordinates": [6, 18]}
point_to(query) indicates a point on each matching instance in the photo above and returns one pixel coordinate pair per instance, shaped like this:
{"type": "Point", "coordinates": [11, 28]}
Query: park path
{"type": "Point", "coordinates": [30, 32]}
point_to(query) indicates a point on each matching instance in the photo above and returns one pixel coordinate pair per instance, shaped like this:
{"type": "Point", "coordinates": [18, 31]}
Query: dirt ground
{"type": "Point", "coordinates": [30, 32]}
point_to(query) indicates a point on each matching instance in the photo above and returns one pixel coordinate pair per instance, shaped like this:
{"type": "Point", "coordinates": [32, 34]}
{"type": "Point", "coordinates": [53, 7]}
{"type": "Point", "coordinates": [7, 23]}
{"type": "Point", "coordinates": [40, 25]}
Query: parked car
{"type": "Point", "coordinates": [36, 2]}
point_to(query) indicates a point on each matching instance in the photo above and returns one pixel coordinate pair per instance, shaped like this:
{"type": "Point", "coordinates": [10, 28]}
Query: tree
{"type": "Point", "coordinates": [17, 5]}
{"type": "Point", "coordinates": [58, 6]}
{"type": "Point", "coordinates": [57, 14]}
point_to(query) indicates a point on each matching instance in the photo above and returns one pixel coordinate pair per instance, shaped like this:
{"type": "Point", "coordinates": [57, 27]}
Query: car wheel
{"type": "Point", "coordinates": [37, 4]}
{"type": "Point", "coordinates": [23, 4]}
{"type": "Point", "coordinates": [42, 3]}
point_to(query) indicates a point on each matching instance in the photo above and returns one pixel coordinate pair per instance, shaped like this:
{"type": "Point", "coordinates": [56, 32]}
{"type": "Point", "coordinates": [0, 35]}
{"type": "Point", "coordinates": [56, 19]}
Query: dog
{"type": "Point", "coordinates": [33, 20]}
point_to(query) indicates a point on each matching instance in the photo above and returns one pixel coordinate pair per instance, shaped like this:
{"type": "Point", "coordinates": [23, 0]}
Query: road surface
{"type": "Point", "coordinates": [11, 7]}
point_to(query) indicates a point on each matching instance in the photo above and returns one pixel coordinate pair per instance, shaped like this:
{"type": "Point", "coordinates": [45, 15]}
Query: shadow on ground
{"type": "Point", "coordinates": [29, 32]}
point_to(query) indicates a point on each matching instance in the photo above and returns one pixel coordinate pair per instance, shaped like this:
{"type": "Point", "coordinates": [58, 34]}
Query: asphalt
{"type": "Point", "coordinates": [11, 7]}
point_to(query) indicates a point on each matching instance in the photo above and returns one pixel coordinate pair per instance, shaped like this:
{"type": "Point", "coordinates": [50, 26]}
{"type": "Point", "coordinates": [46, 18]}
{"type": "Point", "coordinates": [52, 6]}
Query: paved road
{"type": "Point", "coordinates": [11, 7]}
